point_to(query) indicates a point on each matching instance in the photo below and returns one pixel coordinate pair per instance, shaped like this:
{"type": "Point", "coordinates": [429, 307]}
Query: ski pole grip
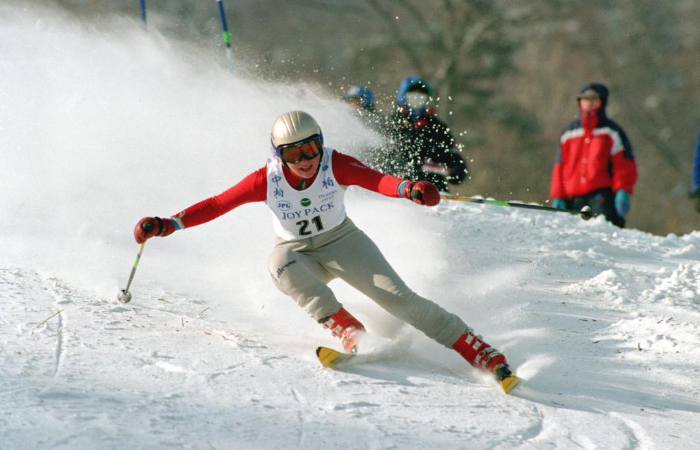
{"type": "Point", "coordinates": [148, 226]}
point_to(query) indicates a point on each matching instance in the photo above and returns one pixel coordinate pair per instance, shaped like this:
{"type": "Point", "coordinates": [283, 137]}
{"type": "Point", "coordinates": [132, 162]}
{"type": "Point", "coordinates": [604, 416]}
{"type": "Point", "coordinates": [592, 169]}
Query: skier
{"type": "Point", "coordinates": [421, 145]}
{"type": "Point", "coordinates": [594, 164]}
{"type": "Point", "coordinates": [304, 183]}
{"type": "Point", "coordinates": [362, 99]}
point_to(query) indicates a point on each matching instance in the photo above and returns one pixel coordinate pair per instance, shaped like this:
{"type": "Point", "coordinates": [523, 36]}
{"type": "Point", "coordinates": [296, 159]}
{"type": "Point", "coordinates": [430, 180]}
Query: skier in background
{"type": "Point", "coordinates": [695, 191]}
{"type": "Point", "coordinates": [420, 146]}
{"type": "Point", "coordinates": [594, 165]}
{"type": "Point", "coordinates": [361, 98]}
{"type": "Point", "coordinates": [303, 183]}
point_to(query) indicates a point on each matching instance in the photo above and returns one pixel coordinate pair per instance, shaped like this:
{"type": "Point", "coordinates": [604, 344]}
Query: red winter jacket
{"type": "Point", "coordinates": [593, 154]}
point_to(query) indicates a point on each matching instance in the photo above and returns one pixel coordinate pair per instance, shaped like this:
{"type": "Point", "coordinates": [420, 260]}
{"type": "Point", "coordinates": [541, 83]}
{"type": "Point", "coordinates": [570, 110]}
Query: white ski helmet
{"type": "Point", "coordinates": [292, 127]}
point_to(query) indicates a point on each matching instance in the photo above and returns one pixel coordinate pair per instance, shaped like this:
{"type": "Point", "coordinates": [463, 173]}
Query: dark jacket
{"type": "Point", "coordinates": [420, 146]}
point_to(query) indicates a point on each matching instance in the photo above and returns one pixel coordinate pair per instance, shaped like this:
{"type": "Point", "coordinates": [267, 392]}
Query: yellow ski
{"type": "Point", "coordinates": [509, 383]}
{"type": "Point", "coordinates": [507, 379]}
{"type": "Point", "coordinates": [331, 358]}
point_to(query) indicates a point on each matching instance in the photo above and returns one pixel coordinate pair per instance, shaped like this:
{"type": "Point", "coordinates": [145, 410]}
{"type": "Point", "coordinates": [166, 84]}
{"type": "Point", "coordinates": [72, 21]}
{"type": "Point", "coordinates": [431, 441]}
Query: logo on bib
{"type": "Point", "coordinates": [305, 202]}
{"type": "Point", "coordinates": [284, 205]}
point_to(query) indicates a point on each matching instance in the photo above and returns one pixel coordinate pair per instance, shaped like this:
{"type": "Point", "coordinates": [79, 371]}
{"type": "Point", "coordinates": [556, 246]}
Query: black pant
{"type": "Point", "coordinates": [601, 201]}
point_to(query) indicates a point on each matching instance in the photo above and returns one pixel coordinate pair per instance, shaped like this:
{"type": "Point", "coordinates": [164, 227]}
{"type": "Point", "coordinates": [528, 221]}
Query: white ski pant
{"type": "Point", "coordinates": [302, 269]}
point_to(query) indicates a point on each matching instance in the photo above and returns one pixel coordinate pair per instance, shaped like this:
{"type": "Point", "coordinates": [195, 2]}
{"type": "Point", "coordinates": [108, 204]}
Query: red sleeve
{"type": "Point", "coordinates": [252, 188]}
{"type": "Point", "coordinates": [624, 173]}
{"type": "Point", "coordinates": [556, 187]}
{"type": "Point", "coordinates": [624, 167]}
{"type": "Point", "coordinates": [350, 171]}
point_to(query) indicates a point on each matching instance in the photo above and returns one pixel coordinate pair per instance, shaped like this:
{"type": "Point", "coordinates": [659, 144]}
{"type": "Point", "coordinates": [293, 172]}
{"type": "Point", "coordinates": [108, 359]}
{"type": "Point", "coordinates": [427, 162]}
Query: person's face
{"type": "Point", "coordinates": [355, 102]}
{"type": "Point", "coordinates": [303, 157]}
{"type": "Point", "coordinates": [305, 168]}
{"type": "Point", "coordinates": [589, 103]}
{"type": "Point", "coordinates": [416, 100]}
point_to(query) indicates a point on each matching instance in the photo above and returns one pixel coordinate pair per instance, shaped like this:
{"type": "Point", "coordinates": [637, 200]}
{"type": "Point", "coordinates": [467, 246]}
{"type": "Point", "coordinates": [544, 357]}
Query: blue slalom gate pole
{"type": "Point", "coordinates": [143, 12]}
{"type": "Point", "coordinates": [226, 35]}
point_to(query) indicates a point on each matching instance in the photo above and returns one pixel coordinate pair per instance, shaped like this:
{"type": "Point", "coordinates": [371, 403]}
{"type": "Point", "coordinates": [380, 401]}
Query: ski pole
{"type": "Point", "coordinates": [125, 296]}
{"type": "Point", "coordinates": [585, 212]}
{"type": "Point", "coordinates": [226, 35]}
{"type": "Point", "coordinates": [143, 13]}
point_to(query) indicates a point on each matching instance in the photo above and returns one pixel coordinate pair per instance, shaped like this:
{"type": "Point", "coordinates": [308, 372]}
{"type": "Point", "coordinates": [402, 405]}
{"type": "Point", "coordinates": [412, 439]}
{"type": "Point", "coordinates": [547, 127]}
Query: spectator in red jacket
{"type": "Point", "coordinates": [594, 164]}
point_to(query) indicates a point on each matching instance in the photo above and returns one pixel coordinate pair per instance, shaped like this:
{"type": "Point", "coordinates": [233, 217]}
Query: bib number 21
{"type": "Point", "coordinates": [304, 226]}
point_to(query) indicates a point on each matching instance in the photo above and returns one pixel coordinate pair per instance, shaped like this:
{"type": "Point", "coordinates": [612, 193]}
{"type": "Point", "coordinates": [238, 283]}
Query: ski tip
{"type": "Point", "coordinates": [331, 358]}
{"type": "Point", "coordinates": [327, 356]}
{"type": "Point", "coordinates": [509, 383]}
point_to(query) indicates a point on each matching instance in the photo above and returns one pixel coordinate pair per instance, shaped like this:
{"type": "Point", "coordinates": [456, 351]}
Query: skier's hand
{"type": "Point", "coordinates": [421, 192]}
{"type": "Point", "coordinates": [152, 226]}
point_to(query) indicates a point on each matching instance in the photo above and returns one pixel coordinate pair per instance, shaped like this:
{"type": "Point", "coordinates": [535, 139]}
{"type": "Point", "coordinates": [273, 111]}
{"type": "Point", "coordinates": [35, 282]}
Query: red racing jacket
{"type": "Point", "coordinates": [253, 188]}
{"type": "Point", "coordinates": [593, 154]}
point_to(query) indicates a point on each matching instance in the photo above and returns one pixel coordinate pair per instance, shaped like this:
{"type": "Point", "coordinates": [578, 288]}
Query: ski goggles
{"type": "Point", "coordinates": [306, 149]}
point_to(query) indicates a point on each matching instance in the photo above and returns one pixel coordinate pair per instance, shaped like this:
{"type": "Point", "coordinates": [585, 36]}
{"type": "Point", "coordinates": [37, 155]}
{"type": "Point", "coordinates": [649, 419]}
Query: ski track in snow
{"type": "Point", "coordinates": [602, 324]}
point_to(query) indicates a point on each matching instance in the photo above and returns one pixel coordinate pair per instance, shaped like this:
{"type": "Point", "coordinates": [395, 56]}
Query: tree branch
{"type": "Point", "coordinates": [396, 33]}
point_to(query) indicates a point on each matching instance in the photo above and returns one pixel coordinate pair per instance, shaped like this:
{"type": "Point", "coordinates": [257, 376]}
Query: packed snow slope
{"type": "Point", "coordinates": [104, 123]}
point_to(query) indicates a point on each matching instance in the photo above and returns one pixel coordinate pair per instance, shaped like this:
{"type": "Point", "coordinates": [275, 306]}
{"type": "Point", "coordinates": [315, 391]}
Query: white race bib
{"type": "Point", "coordinates": [302, 214]}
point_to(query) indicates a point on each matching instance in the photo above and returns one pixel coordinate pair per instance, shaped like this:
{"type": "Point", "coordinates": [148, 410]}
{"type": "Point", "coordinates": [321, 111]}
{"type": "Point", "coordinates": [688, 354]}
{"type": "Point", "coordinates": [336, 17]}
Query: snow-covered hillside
{"type": "Point", "coordinates": [103, 124]}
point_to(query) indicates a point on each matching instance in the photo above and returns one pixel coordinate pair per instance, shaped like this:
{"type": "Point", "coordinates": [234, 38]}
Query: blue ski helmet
{"type": "Point", "coordinates": [413, 84]}
{"type": "Point", "coordinates": [364, 93]}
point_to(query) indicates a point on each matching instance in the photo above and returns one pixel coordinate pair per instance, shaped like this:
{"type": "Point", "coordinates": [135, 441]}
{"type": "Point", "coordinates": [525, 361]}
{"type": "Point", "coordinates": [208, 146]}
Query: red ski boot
{"type": "Point", "coordinates": [482, 356]}
{"type": "Point", "coordinates": [343, 325]}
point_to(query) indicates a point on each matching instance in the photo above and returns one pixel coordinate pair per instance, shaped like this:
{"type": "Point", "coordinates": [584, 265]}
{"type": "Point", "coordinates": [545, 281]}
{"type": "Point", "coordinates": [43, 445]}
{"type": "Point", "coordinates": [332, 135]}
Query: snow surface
{"type": "Point", "coordinates": [102, 124]}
